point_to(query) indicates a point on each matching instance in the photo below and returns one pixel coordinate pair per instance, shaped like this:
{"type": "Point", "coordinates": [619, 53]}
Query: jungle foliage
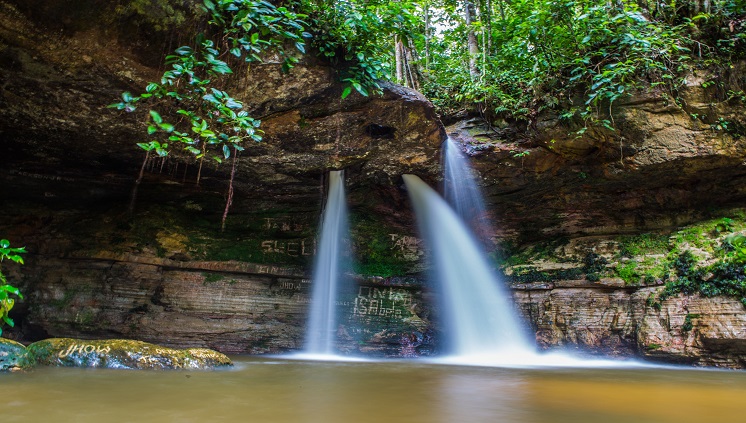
{"type": "Point", "coordinates": [501, 59]}
{"type": "Point", "coordinates": [579, 56]}
{"type": "Point", "coordinates": [514, 59]}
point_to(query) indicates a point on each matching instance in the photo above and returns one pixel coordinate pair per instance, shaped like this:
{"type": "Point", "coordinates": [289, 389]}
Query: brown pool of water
{"type": "Point", "coordinates": [279, 391]}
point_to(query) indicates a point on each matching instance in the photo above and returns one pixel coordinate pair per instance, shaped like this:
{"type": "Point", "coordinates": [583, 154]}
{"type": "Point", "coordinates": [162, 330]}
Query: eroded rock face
{"type": "Point", "coordinates": [659, 169]}
{"type": "Point", "coordinates": [627, 322]}
{"type": "Point", "coordinates": [663, 167]}
{"type": "Point", "coordinates": [165, 273]}
{"type": "Point", "coordinates": [120, 354]}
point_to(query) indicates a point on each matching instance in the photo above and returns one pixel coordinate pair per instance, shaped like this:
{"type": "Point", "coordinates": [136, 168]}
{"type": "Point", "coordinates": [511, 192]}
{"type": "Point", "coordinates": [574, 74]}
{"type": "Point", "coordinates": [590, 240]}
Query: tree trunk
{"type": "Point", "coordinates": [471, 39]}
{"type": "Point", "coordinates": [489, 27]}
{"type": "Point", "coordinates": [426, 7]}
{"type": "Point", "coordinates": [412, 73]}
{"type": "Point", "coordinates": [399, 60]}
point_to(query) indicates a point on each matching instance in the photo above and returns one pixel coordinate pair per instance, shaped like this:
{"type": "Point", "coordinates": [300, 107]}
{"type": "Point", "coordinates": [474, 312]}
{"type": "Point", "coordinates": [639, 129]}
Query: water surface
{"type": "Point", "coordinates": [279, 391]}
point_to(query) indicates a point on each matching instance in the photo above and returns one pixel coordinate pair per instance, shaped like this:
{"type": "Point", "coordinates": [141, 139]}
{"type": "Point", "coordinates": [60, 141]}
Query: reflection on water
{"type": "Point", "coordinates": [279, 391]}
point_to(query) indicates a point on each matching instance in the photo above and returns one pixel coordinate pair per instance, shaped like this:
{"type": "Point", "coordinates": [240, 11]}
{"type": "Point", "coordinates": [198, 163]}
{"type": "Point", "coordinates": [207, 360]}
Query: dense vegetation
{"type": "Point", "coordinates": [578, 57]}
{"type": "Point", "coordinates": [507, 59]}
{"type": "Point", "coordinates": [515, 59]}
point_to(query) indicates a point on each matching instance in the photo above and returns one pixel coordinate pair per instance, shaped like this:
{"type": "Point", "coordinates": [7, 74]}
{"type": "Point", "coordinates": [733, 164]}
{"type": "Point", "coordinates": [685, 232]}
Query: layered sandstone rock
{"type": "Point", "coordinates": [166, 274]}
{"type": "Point", "coordinates": [593, 318]}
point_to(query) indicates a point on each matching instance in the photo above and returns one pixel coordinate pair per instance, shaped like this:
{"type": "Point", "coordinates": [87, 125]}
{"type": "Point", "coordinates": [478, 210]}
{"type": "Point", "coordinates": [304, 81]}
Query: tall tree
{"type": "Point", "coordinates": [471, 38]}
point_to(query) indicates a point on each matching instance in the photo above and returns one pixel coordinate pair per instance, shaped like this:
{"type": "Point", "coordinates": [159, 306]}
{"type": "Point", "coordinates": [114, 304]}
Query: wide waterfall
{"type": "Point", "coordinates": [478, 317]}
{"type": "Point", "coordinates": [322, 323]}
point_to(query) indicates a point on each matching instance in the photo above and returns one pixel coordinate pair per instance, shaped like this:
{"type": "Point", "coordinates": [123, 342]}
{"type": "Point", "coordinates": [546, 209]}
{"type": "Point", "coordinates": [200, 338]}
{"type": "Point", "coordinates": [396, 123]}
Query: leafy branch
{"type": "Point", "coordinates": [188, 110]}
{"type": "Point", "coordinates": [6, 302]}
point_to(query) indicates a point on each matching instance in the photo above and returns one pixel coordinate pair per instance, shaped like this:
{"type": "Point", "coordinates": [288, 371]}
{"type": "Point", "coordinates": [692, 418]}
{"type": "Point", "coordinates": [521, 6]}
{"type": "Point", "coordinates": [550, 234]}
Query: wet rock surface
{"type": "Point", "coordinates": [120, 354]}
{"type": "Point", "coordinates": [108, 354]}
{"type": "Point", "coordinates": [12, 354]}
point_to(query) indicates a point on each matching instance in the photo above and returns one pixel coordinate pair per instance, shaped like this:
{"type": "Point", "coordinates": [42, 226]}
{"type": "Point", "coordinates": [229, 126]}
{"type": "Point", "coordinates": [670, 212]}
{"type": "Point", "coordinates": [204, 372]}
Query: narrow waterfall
{"type": "Point", "coordinates": [322, 322]}
{"type": "Point", "coordinates": [461, 191]}
{"type": "Point", "coordinates": [478, 317]}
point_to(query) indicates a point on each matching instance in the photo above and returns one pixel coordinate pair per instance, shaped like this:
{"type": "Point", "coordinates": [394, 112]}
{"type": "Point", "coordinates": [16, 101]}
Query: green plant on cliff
{"type": "Point", "coordinates": [723, 272]}
{"type": "Point", "coordinates": [190, 113]}
{"type": "Point", "coordinates": [6, 290]}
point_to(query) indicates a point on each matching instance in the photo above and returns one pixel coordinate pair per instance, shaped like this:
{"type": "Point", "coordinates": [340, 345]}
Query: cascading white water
{"type": "Point", "coordinates": [322, 322]}
{"type": "Point", "coordinates": [478, 318]}
{"type": "Point", "coordinates": [461, 191]}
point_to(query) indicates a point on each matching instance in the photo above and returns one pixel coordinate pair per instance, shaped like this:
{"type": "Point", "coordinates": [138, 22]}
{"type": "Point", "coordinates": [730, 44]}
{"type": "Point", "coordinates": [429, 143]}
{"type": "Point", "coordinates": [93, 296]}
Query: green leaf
{"type": "Point", "coordinates": [226, 151]}
{"type": "Point", "coordinates": [8, 320]}
{"type": "Point", "coordinates": [184, 51]}
{"type": "Point", "coordinates": [156, 117]}
{"type": "Point", "coordinates": [346, 91]}
{"type": "Point", "coordinates": [152, 129]}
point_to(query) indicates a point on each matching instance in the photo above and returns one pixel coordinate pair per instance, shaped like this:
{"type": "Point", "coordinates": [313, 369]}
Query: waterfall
{"type": "Point", "coordinates": [322, 322]}
{"type": "Point", "coordinates": [479, 322]}
{"type": "Point", "coordinates": [461, 191]}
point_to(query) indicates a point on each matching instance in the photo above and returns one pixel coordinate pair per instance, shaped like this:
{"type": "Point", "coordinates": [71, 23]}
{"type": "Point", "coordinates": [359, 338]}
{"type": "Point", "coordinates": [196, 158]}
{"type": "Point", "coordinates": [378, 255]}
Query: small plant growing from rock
{"type": "Point", "coordinates": [6, 290]}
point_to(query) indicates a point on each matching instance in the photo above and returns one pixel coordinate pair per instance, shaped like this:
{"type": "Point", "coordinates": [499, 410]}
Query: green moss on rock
{"type": "Point", "coordinates": [120, 354]}
{"type": "Point", "coordinates": [12, 354]}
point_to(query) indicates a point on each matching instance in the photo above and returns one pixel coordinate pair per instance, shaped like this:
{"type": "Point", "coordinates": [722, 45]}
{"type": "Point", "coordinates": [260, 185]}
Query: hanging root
{"type": "Point", "coordinates": [229, 200]}
{"type": "Point", "coordinates": [133, 196]}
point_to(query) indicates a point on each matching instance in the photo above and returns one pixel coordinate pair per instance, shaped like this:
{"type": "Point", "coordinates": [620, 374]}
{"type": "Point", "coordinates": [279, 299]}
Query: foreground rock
{"type": "Point", "coordinates": [11, 354]}
{"type": "Point", "coordinates": [109, 354]}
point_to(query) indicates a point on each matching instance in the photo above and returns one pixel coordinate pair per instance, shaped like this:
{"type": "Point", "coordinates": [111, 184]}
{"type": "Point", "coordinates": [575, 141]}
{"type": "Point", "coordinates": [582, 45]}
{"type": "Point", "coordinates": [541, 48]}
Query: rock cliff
{"type": "Point", "coordinates": [166, 274]}
{"type": "Point", "coordinates": [590, 225]}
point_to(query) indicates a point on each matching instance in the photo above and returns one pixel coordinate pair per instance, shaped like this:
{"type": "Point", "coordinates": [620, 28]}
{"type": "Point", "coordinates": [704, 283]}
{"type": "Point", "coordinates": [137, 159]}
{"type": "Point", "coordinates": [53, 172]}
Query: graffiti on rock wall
{"type": "Point", "coordinates": [409, 247]}
{"type": "Point", "coordinates": [295, 285]}
{"type": "Point", "coordinates": [284, 225]}
{"type": "Point", "coordinates": [291, 248]}
{"type": "Point", "coordinates": [386, 302]}
{"type": "Point", "coordinates": [83, 349]}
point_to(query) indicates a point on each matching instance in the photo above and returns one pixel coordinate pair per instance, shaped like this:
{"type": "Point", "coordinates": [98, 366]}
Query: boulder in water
{"type": "Point", "coordinates": [120, 354]}
{"type": "Point", "coordinates": [11, 354]}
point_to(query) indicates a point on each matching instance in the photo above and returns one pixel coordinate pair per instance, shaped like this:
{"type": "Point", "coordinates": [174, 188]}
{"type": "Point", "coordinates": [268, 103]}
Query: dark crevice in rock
{"type": "Point", "coordinates": [380, 131]}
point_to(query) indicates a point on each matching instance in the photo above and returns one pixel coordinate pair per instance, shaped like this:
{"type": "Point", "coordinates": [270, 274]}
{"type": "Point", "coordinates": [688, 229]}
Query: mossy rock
{"type": "Point", "coordinates": [120, 354]}
{"type": "Point", "coordinates": [12, 354]}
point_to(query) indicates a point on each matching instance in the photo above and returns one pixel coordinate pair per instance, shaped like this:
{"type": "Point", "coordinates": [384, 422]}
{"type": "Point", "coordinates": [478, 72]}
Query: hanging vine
{"type": "Point", "coordinates": [189, 112]}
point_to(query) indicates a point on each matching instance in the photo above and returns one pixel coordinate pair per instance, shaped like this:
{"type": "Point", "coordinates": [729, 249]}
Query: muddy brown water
{"type": "Point", "coordinates": [279, 390]}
